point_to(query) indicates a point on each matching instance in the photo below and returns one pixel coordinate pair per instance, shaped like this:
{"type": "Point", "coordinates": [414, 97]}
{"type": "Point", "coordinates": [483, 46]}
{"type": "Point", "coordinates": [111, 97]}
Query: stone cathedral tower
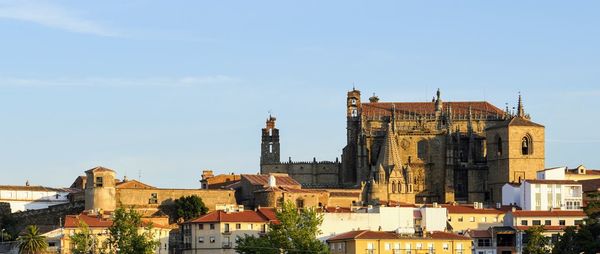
{"type": "Point", "coordinates": [269, 147]}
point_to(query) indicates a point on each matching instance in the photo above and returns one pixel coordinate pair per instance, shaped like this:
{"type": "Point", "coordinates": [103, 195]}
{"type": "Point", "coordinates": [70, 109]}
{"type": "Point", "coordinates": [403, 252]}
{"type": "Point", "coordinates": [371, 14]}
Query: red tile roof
{"type": "Point", "coordinates": [538, 181]}
{"type": "Point", "coordinates": [263, 180]}
{"type": "Point", "coordinates": [100, 169]}
{"type": "Point", "coordinates": [367, 234]}
{"type": "Point", "coordinates": [133, 184]}
{"type": "Point", "coordinates": [261, 215]}
{"type": "Point", "coordinates": [72, 221]}
{"type": "Point", "coordinates": [479, 233]}
{"type": "Point", "coordinates": [555, 213]}
{"type": "Point", "coordinates": [590, 185]}
{"type": "Point", "coordinates": [421, 108]}
{"type": "Point", "coordinates": [471, 209]}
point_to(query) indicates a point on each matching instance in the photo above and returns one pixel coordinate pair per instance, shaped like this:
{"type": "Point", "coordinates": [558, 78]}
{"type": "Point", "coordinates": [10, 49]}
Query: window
{"type": "Point", "coordinates": [226, 230]}
{"type": "Point", "coordinates": [212, 226]}
{"type": "Point", "coordinates": [578, 222]}
{"type": "Point", "coordinates": [408, 248]}
{"type": "Point", "coordinates": [499, 146]}
{"type": "Point", "coordinates": [201, 226]}
{"type": "Point", "coordinates": [484, 242]}
{"type": "Point", "coordinates": [526, 146]}
{"type": "Point", "coordinates": [561, 222]}
{"type": "Point", "coordinates": [250, 226]}
{"type": "Point", "coordinates": [430, 248]}
{"type": "Point", "coordinates": [263, 228]}
{"type": "Point", "coordinates": [200, 239]}
{"type": "Point", "coordinates": [238, 226]}
{"type": "Point", "coordinates": [394, 187]}
{"type": "Point", "coordinates": [460, 219]}
{"type": "Point", "coordinates": [212, 239]}
{"type": "Point", "coordinates": [387, 246]}
{"type": "Point", "coordinates": [446, 246]}
{"type": "Point", "coordinates": [472, 219]}
{"type": "Point", "coordinates": [419, 246]}
{"type": "Point", "coordinates": [370, 246]}
{"type": "Point", "coordinates": [547, 222]}
{"type": "Point", "coordinates": [524, 222]}
{"type": "Point", "coordinates": [153, 198]}
{"type": "Point", "coordinates": [299, 203]}
{"type": "Point", "coordinates": [99, 181]}
{"type": "Point", "coordinates": [536, 222]}
{"type": "Point", "coordinates": [483, 219]}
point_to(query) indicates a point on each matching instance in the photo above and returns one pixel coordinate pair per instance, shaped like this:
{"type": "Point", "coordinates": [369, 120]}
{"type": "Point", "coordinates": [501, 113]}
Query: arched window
{"type": "Point", "coordinates": [526, 145]}
{"type": "Point", "coordinates": [499, 146]}
{"type": "Point", "coordinates": [394, 187]}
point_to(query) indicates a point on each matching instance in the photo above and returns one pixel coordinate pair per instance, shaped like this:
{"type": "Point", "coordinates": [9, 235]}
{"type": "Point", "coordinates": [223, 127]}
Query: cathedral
{"type": "Point", "coordinates": [422, 152]}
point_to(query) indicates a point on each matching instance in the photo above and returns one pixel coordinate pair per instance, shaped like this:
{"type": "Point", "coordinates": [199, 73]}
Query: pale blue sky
{"type": "Point", "coordinates": [174, 87]}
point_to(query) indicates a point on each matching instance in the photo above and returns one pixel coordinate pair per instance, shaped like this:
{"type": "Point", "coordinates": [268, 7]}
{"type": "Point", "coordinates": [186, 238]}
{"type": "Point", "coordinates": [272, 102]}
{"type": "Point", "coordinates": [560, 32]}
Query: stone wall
{"type": "Point", "coordinates": [51, 216]}
{"type": "Point", "coordinates": [309, 174]}
{"type": "Point", "coordinates": [141, 198]}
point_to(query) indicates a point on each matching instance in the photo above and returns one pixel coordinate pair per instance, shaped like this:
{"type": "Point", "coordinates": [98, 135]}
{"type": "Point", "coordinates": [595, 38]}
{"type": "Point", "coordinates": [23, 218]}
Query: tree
{"type": "Point", "coordinates": [296, 232]}
{"type": "Point", "coordinates": [32, 242]}
{"type": "Point", "coordinates": [84, 241]}
{"type": "Point", "coordinates": [189, 207]}
{"type": "Point", "coordinates": [125, 235]}
{"type": "Point", "coordinates": [536, 242]}
{"type": "Point", "coordinates": [582, 239]}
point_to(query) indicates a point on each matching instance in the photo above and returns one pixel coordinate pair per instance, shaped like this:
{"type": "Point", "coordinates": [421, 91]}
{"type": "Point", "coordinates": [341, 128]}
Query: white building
{"type": "Point", "coordinates": [403, 220]}
{"type": "Point", "coordinates": [23, 198]}
{"type": "Point", "coordinates": [540, 195]}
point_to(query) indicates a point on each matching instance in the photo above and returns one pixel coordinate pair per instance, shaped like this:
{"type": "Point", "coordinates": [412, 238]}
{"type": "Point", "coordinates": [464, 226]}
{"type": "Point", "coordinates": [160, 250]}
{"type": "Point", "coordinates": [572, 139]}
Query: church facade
{"type": "Point", "coordinates": [422, 151]}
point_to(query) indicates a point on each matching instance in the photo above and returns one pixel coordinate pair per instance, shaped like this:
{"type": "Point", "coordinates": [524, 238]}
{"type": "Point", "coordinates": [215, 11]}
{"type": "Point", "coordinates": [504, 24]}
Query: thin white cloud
{"type": "Point", "coordinates": [49, 15]}
{"type": "Point", "coordinates": [187, 81]}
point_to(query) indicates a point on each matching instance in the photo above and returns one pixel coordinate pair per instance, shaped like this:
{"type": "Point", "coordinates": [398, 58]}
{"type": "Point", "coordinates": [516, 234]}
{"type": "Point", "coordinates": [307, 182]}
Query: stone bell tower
{"type": "Point", "coordinates": [269, 147]}
{"type": "Point", "coordinates": [100, 192]}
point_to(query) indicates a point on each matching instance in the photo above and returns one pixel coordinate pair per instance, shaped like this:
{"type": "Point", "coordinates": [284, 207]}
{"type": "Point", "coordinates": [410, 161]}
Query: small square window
{"type": "Point", "coordinates": [238, 226]}
{"type": "Point", "coordinates": [561, 222]}
{"type": "Point", "coordinates": [201, 226]}
{"type": "Point", "coordinates": [547, 222]}
{"type": "Point", "coordinates": [201, 239]}
{"type": "Point", "coordinates": [212, 239]}
{"type": "Point", "coordinates": [536, 222]}
{"type": "Point", "coordinates": [524, 222]}
{"type": "Point", "coordinates": [99, 181]}
{"type": "Point", "coordinates": [212, 226]}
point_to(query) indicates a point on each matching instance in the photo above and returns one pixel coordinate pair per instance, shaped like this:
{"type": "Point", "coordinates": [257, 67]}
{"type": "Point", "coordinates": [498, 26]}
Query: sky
{"type": "Point", "coordinates": [161, 90]}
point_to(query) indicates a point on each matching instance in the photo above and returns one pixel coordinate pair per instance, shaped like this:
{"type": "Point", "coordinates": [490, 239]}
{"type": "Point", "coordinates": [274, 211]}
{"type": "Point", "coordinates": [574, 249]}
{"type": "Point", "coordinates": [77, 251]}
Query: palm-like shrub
{"type": "Point", "coordinates": [32, 242]}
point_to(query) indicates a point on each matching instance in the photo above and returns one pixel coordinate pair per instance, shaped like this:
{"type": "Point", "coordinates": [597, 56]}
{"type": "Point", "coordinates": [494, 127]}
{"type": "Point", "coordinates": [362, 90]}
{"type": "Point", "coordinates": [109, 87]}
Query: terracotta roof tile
{"type": "Point", "coordinates": [72, 221]}
{"type": "Point", "coordinates": [100, 169]}
{"type": "Point", "coordinates": [479, 233]}
{"type": "Point", "coordinates": [539, 181]}
{"type": "Point", "coordinates": [264, 215]}
{"type": "Point", "coordinates": [263, 180]}
{"type": "Point", "coordinates": [133, 184]}
{"type": "Point", "coordinates": [471, 209]}
{"type": "Point", "coordinates": [575, 213]}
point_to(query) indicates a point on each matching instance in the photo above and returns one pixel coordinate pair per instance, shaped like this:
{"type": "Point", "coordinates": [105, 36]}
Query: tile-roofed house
{"type": "Point", "coordinates": [218, 230]}
{"type": "Point", "coordinates": [383, 241]}
{"type": "Point", "coordinates": [473, 217]}
{"type": "Point", "coordinates": [33, 197]}
{"type": "Point", "coordinates": [100, 223]}
{"type": "Point", "coordinates": [132, 184]}
{"type": "Point", "coordinates": [263, 180]}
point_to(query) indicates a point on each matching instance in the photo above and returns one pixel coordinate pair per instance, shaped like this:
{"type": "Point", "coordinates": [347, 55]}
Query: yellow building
{"type": "Point", "coordinates": [99, 224]}
{"type": "Point", "coordinates": [381, 242]}
{"type": "Point", "coordinates": [217, 232]}
{"type": "Point", "coordinates": [466, 217]}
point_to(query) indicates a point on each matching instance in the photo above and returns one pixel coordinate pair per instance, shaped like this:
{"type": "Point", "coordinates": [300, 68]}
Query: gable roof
{"type": "Point", "coordinates": [422, 108]}
{"type": "Point", "coordinates": [263, 180]}
{"type": "Point", "coordinates": [132, 184]}
{"type": "Point", "coordinates": [99, 169]}
{"type": "Point", "coordinates": [260, 215]}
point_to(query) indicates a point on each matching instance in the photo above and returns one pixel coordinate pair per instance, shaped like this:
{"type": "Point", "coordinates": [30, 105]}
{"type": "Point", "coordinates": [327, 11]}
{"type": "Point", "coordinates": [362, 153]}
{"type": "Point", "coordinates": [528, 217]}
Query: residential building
{"type": "Point", "coordinates": [27, 197]}
{"type": "Point", "coordinates": [404, 220]}
{"type": "Point", "coordinates": [554, 223]}
{"type": "Point", "coordinates": [473, 217]}
{"type": "Point", "coordinates": [216, 232]}
{"type": "Point", "coordinates": [544, 194]}
{"type": "Point", "coordinates": [380, 242]}
{"type": "Point", "coordinates": [99, 224]}
{"type": "Point", "coordinates": [211, 181]}
{"type": "Point", "coordinates": [482, 241]}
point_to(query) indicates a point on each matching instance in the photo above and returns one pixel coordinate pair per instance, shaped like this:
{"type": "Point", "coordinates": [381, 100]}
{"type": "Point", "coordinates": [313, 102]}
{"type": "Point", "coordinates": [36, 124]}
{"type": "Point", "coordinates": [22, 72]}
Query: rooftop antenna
{"type": "Point", "coordinates": [140, 175]}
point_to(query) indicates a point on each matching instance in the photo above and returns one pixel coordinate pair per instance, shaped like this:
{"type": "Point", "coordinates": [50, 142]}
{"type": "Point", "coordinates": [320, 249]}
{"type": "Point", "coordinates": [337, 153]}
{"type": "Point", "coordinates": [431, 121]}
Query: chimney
{"type": "Point", "coordinates": [272, 181]}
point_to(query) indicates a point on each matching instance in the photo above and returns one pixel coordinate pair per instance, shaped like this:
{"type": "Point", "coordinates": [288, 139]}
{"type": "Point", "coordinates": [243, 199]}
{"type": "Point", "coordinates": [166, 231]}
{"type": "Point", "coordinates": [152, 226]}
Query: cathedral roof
{"type": "Point", "coordinates": [421, 108]}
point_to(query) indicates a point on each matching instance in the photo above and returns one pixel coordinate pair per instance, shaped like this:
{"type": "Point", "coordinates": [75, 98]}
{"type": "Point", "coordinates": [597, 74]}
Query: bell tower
{"type": "Point", "coordinates": [269, 148]}
{"type": "Point", "coordinates": [350, 172]}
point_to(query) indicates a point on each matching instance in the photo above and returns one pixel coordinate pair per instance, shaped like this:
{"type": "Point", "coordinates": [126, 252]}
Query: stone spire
{"type": "Point", "coordinates": [438, 101]}
{"type": "Point", "coordinates": [389, 155]}
{"type": "Point", "coordinates": [520, 110]}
